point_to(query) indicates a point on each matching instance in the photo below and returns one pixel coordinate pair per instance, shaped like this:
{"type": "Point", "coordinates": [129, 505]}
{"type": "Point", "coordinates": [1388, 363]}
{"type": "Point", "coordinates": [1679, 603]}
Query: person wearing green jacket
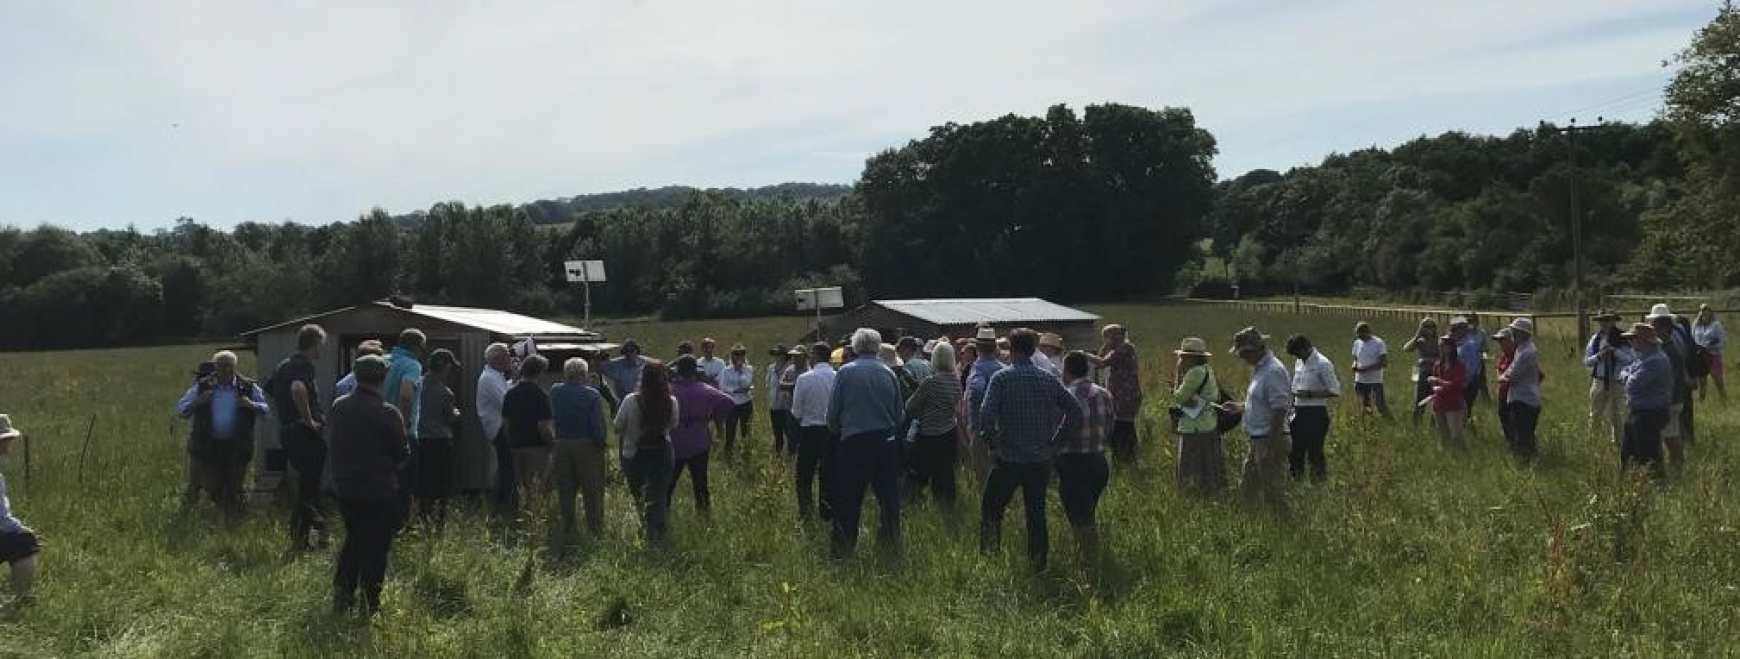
{"type": "Point", "coordinates": [1201, 460]}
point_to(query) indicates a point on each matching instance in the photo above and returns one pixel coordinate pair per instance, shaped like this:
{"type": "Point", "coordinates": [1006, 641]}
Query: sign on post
{"type": "Point", "coordinates": [817, 299]}
{"type": "Point", "coordinates": [585, 272]}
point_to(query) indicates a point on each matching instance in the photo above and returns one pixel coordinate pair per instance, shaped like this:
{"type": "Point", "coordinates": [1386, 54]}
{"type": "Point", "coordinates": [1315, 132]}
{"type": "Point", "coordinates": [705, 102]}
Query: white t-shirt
{"type": "Point", "coordinates": [1368, 353]}
{"type": "Point", "coordinates": [1315, 373]}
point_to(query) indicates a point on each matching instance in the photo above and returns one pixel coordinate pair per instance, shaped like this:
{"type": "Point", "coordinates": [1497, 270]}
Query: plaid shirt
{"type": "Point", "coordinates": [1096, 419]}
{"type": "Point", "coordinates": [1026, 411]}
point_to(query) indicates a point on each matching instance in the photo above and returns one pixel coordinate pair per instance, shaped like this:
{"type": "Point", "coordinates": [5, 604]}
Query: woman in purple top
{"type": "Point", "coordinates": [699, 407]}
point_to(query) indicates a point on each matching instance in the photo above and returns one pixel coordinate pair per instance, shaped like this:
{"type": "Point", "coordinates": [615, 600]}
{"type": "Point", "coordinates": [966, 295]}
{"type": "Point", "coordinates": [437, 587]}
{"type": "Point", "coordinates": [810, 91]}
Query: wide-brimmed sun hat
{"type": "Point", "coordinates": [1523, 325]}
{"type": "Point", "coordinates": [1659, 311]}
{"type": "Point", "coordinates": [6, 429]}
{"type": "Point", "coordinates": [1249, 339]}
{"type": "Point", "coordinates": [986, 333]}
{"type": "Point", "coordinates": [1643, 332]}
{"type": "Point", "coordinates": [1192, 346]}
{"type": "Point", "coordinates": [1049, 340]}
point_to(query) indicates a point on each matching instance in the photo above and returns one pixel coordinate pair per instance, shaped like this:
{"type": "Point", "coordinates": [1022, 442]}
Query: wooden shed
{"type": "Point", "coordinates": [465, 331]}
{"type": "Point", "coordinates": [929, 319]}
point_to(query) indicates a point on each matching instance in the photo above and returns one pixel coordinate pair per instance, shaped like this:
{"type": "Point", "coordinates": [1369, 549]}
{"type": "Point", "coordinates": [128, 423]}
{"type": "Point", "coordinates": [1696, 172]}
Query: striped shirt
{"type": "Point", "coordinates": [933, 405]}
{"type": "Point", "coordinates": [1096, 419]}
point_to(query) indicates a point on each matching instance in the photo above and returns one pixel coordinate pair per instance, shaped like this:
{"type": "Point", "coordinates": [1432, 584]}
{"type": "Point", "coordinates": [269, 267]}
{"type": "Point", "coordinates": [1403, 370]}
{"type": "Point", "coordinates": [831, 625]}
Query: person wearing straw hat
{"type": "Point", "coordinates": [19, 545]}
{"type": "Point", "coordinates": [1050, 354]}
{"type": "Point", "coordinates": [1201, 459]}
{"type": "Point", "coordinates": [1123, 379]}
{"type": "Point", "coordinates": [1425, 343]}
{"type": "Point", "coordinates": [1607, 354]}
{"type": "Point", "coordinates": [778, 397]}
{"type": "Point", "coordinates": [1649, 390]}
{"type": "Point", "coordinates": [1370, 357]}
{"type": "Point", "coordinates": [737, 380]}
{"type": "Point", "coordinates": [978, 380]}
{"type": "Point", "coordinates": [1678, 431]}
{"type": "Point", "coordinates": [1268, 399]}
{"type": "Point", "coordinates": [1708, 333]}
{"type": "Point", "coordinates": [1523, 390]}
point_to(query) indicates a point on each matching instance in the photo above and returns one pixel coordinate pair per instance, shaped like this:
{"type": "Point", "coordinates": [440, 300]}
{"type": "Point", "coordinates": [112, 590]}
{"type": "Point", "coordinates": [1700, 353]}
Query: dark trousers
{"type": "Point", "coordinates": [434, 476]}
{"type": "Point", "coordinates": [649, 480]}
{"type": "Point", "coordinates": [1523, 420]}
{"type": "Point", "coordinates": [306, 452]}
{"type": "Point", "coordinates": [362, 561]}
{"type": "Point", "coordinates": [812, 443]}
{"type": "Point", "coordinates": [780, 420]}
{"type": "Point", "coordinates": [1081, 479]}
{"type": "Point", "coordinates": [1472, 391]}
{"type": "Point", "coordinates": [506, 482]}
{"type": "Point", "coordinates": [1371, 395]}
{"type": "Point", "coordinates": [1642, 444]}
{"type": "Point", "coordinates": [934, 463]}
{"type": "Point", "coordinates": [1505, 424]}
{"type": "Point", "coordinates": [1006, 477]}
{"type": "Point", "coordinates": [738, 424]}
{"type": "Point", "coordinates": [697, 466]}
{"type": "Point", "coordinates": [1122, 440]}
{"type": "Point", "coordinates": [222, 467]}
{"type": "Point", "coordinates": [866, 461]}
{"type": "Point", "coordinates": [1310, 430]}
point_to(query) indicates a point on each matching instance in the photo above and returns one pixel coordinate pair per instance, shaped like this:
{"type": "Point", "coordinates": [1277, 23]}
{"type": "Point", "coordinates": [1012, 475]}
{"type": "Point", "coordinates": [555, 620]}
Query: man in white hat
{"type": "Point", "coordinates": [1649, 388]}
{"type": "Point", "coordinates": [1049, 358]}
{"type": "Point", "coordinates": [18, 544]}
{"type": "Point", "coordinates": [1523, 390]}
{"type": "Point", "coordinates": [1264, 410]}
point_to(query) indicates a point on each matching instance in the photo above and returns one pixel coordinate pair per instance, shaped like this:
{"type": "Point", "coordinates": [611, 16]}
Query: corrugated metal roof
{"type": "Point", "coordinates": [491, 320]}
{"type": "Point", "coordinates": [985, 310]}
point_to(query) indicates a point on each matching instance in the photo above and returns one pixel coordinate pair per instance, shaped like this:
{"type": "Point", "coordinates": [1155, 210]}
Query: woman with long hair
{"type": "Point", "coordinates": [1448, 380]}
{"type": "Point", "coordinates": [643, 425]}
{"type": "Point", "coordinates": [1707, 332]}
{"type": "Point", "coordinates": [1425, 342]}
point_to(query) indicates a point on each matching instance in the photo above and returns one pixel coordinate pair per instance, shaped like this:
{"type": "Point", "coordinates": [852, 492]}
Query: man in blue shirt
{"type": "Point", "coordinates": [404, 391]}
{"type": "Point", "coordinates": [1026, 410]}
{"type": "Point", "coordinates": [1471, 351]}
{"type": "Point", "coordinates": [864, 409]}
{"type": "Point", "coordinates": [624, 371]}
{"type": "Point", "coordinates": [1267, 401]}
{"type": "Point", "coordinates": [223, 408]}
{"type": "Point", "coordinates": [1649, 391]}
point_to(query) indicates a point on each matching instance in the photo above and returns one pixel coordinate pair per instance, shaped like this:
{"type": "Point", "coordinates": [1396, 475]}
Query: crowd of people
{"type": "Point", "coordinates": [1015, 412]}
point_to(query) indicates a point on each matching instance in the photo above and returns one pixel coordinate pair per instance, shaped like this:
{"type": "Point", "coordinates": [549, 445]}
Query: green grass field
{"type": "Point", "coordinates": [1411, 549]}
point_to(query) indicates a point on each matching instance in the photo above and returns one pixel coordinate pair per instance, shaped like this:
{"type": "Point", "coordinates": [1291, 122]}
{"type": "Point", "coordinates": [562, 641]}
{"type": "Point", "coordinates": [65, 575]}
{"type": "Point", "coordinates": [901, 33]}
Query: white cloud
{"type": "Point", "coordinates": [320, 110]}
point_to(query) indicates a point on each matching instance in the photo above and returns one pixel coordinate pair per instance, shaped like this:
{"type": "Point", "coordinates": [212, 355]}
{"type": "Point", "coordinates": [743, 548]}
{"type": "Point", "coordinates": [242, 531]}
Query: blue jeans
{"type": "Point", "coordinates": [649, 475]}
{"type": "Point", "coordinates": [1032, 479]}
{"type": "Point", "coordinates": [865, 460]}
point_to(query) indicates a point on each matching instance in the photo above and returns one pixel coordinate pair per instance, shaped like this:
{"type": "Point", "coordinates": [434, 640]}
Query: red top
{"type": "Point", "coordinates": [1447, 393]}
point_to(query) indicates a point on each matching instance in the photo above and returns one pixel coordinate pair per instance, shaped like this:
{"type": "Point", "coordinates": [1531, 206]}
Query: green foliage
{"type": "Point", "coordinates": [1411, 549]}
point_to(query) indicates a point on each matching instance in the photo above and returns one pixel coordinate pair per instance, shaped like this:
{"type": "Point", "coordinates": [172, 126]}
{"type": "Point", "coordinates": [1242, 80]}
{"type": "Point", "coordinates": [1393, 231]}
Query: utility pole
{"type": "Point", "coordinates": [1577, 227]}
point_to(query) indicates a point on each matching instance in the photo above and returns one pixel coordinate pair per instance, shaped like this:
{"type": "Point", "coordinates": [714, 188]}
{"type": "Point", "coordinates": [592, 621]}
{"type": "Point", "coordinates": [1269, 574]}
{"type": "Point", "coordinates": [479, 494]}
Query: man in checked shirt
{"type": "Point", "coordinates": [1026, 413]}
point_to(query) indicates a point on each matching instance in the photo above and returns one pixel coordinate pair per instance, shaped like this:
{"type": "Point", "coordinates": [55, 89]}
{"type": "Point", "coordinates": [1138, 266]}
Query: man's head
{"type": "Point", "coordinates": [413, 340]}
{"type": "Point", "coordinates": [707, 346]}
{"type": "Point", "coordinates": [309, 340]}
{"type": "Point", "coordinates": [1643, 338]}
{"type": "Point", "coordinates": [441, 361]}
{"type": "Point", "coordinates": [498, 357]}
{"type": "Point", "coordinates": [779, 353]}
{"type": "Point", "coordinates": [370, 371]}
{"type": "Point", "coordinates": [1298, 345]}
{"type": "Point", "coordinates": [1023, 342]}
{"type": "Point", "coordinates": [820, 352]}
{"type": "Point", "coordinates": [371, 347]}
{"type": "Point", "coordinates": [866, 341]}
{"type": "Point", "coordinates": [739, 354]}
{"type": "Point", "coordinates": [799, 357]}
{"type": "Point", "coordinates": [225, 363]}
{"type": "Point", "coordinates": [1607, 319]}
{"type": "Point", "coordinates": [1362, 330]}
{"type": "Point", "coordinates": [1250, 345]}
{"type": "Point", "coordinates": [1075, 365]}
{"type": "Point", "coordinates": [685, 348]}
{"type": "Point", "coordinates": [575, 370]}
{"type": "Point", "coordinates": [1051, 344]}
{"type": "Point", "coordinates": [630, 348]}
{"type": "Point", "coordinates": [1474, 320]}
{"type": "Point", "coordinates": [1522, 330]}
{"type": "Point", "coordinates": [533, 367]}
{"type": "Point", "coordinates": [687, 367]}
{"type": "Point", "coordinates": [908, 347]}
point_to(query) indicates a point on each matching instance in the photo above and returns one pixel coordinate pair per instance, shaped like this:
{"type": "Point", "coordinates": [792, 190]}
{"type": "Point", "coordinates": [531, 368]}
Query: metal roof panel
{"type": "Point", "coordinates": [985, 310]}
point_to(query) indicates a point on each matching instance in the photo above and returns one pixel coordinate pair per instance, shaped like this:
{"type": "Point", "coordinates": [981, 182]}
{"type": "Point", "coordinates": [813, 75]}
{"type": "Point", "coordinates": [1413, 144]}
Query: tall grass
{"type": "Point", "coordinates": [1410, 548]}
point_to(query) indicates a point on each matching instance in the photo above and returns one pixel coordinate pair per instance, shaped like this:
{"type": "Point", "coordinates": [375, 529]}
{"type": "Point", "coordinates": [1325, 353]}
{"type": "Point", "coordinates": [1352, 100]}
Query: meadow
{"type": "Point", "coordinates": [1410, 548]}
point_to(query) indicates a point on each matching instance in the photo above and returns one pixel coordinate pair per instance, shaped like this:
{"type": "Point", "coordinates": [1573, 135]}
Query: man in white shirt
{"type": "Point", "coordinates": [710, 364]}
{"type": "Point", "coordinates": [492, 388]}
{"type": "Point", "coordinates": [809, 406]}
{"type": "Point", "coordinates": [1370, 357]}
{"type": "Point", "coordinates": [1314, 385]}
{"type": "Point", "coordinates": [1264, 421]}
{"type": "Point", "coordinates": [738, 382]}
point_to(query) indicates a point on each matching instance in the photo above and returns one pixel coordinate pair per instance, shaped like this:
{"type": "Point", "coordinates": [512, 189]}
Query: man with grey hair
{"type": "Point", "coordinates": [224, 408]}
{"type": "Point", "coordinates": [578, 466]}
{"type": "Point", "coordinates": [492, 388]}
{"type": "Point", "coordinates": [1265, 408]}
{"type": "Point", "coordinates": [864, 409]}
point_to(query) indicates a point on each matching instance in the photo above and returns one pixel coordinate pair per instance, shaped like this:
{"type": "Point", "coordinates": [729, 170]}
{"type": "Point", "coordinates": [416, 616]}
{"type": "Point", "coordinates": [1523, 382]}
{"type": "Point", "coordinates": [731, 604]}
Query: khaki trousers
{"type": "Point", "coordinates": [578, 469]}
{"type": "Point", "coordinates": [1607, 409]}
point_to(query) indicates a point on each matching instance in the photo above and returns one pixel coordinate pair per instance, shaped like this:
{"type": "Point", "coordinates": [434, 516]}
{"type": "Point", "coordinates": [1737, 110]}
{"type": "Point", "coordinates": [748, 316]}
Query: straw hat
{"type": "Point", "coordinates": [1049, 340]}
{"type": "Point", "coordinates": [986, 333]}
{"type": "Point", "coordinates": [1659, 311]}
{"type": "Point", "coordinates": [1193, 346]}
{"type": "Point", "coordinates": [777, 350]}
{"type": "Point", "coordinates": [739, 349]}
{"type": "Point", "coordinates": [1643, 332]}
{"type": "Point", "coordinates": [6, 429]}
{"type": "Point", "coordinates": [1249, 339]}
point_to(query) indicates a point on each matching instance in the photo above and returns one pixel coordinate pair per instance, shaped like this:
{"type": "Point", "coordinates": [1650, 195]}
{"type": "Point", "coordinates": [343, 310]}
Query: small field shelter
{"type": "Point", "coordinates": [956, 318]}
{"type": "Point", "coordinates": [466, 331]}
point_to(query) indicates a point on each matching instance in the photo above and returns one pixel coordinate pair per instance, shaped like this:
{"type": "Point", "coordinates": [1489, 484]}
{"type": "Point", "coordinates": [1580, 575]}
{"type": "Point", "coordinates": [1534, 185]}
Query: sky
{"type": "Point", "coordinates": [117, 113]}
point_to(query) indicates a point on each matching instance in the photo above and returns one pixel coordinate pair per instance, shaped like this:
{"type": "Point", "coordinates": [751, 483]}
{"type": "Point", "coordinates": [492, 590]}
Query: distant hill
{"type": "Point", "coordinates": [563, 210]}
